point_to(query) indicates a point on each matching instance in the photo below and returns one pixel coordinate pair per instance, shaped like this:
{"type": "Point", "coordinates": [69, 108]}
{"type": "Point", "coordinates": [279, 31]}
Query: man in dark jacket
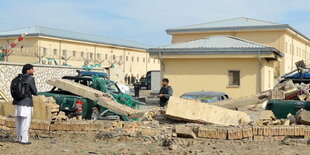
{"type": "Point", "coordinates": [165, 93]}
{"type": "Point", "coordinates": [23, 107]}
{"type": "Point", "coordinates": [137, 87]}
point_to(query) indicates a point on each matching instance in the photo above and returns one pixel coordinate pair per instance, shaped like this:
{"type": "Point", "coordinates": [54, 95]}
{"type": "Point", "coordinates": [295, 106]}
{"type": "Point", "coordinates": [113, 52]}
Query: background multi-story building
{"type": "Point", "coordinates": [48, 45]}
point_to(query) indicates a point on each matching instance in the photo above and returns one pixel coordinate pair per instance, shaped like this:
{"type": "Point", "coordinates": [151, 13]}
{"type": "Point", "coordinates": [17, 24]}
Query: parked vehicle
{"type": "Point", "coordinates": [206, 96]}
{"type": "Point", "coordinates": [147, 80]}
{"type": "Point", "coordinates": [71, 103]}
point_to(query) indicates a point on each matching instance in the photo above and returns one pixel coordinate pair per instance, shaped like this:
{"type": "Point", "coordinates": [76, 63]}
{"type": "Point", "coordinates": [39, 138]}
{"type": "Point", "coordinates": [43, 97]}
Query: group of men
{"type": "Point", "coordinates": [23, 106]}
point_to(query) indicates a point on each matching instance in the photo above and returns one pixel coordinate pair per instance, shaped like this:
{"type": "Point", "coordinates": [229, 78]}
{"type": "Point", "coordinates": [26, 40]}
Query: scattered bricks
{"type": "Point", "coordinates": [185, 131]}
{"type": "Point", "coordinates": [150, 132]}
{"type": "Point", "coordinates": [287, 122]}
{"type": "Point", "coordinates": [2, 120]}
{"type": "Point", "coordinates": [278, 138]}
{"type": "Point", "coordinates": [10, 122]}
{"type": "Point", "coordinates": [307, 132]}
{"type": "Point", "coordinates": [258, 138]}
{"type": "Point", "coordinates": [40, 125]}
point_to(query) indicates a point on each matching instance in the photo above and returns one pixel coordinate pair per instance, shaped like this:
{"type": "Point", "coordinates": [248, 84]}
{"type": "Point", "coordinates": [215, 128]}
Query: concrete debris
{"type": "Point", "coordinates": [185, 132]}
{"type": "Point", "coordinates": [198, 112]}
{"type": "Point", "coordinates": [303, 117]}
{"type": "Point", "coordinates": [267, 115]}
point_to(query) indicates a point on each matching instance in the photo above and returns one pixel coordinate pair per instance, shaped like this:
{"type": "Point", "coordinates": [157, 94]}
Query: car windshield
{"type": "Point", "coordinates": [202, 98]}
{"type": "Point", "coordinates": [113, 88]}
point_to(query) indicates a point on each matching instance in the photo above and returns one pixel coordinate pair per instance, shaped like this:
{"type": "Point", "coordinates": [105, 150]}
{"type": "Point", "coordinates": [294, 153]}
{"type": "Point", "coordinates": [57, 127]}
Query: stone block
{"type": "Point", "coordinates": [185, 131]}
{"type": "Point", "coordinates": [2, 120]}
{"type": "Point", "coordinates": [247, 132]}
{"type": "Point", "coordinates": [150, 132]}
{"type": "Point", "coordinates": [266, 131]}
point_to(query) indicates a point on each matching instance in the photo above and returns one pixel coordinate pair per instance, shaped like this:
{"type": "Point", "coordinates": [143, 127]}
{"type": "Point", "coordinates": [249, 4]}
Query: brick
{"type": "Point", "coordinates": [299, 130]}
{"type": "Point", "coordinates": [269, 138]}
{"type": "Point", "coordinates": [234, 134]}
{"type": "Point", "coordinates": [278, 138]}
{"type": "Point", "coordinates": [247, 132]}
{"type": "Point", "coordinates": [266, 131]}
{"type": "Point", "coordinates": [207, 133]}
{"type": "Point", "coordinates": [258, 138]}
{"type": "Point", "coordinates": [307, 133]}
{"type": "Point", "coordinates": [274, 130]}
{"type": "Point", "coordinates": [281, 131]}
{"type": "Point", "coordinates": [150, 132]}
{"type": "Point", "coordinates": [40, 125]}
{"type": "Point", "coordinates": [222, 133]}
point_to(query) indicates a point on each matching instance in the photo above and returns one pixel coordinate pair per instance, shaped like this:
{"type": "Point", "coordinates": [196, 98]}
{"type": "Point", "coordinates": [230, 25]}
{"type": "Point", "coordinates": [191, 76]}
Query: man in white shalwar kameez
{"type": "Point", "coordinates": [23, 107]}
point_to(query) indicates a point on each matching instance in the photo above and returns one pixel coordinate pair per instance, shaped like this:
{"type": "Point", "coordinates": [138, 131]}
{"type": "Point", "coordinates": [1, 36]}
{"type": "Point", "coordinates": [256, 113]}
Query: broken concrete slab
{"type": "Point", "coordinates": [267, 115]}
{"type": "Point", "coordinates": [303, 116]}
{"type": "Point", "coordinates": [185, 131]}
{"type": "Point", "coordinates": [103, 99]}
{"type": "Point", "coordinates": [198, 112]}
{"type": "Point", "coordinates": [240, 102]}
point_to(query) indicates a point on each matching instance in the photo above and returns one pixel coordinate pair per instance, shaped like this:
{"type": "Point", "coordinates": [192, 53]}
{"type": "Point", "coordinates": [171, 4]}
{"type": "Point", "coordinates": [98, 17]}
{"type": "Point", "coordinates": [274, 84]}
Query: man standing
{"type": "Point", "coordinates": [23, 106]}
{"type": "Point", "coordinates": [165, 93]}
{"type": "Point", "coordinates": [137, 87]}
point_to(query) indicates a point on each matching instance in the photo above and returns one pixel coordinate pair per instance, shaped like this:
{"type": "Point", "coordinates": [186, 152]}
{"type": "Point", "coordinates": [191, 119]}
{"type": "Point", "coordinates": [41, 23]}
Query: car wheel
{"type": "Point", "coordinates": [95, 113]}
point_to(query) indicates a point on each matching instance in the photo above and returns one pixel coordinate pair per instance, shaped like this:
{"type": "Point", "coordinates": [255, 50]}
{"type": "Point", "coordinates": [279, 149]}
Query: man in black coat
{"type": "Point", "coordinates": [23, 107]}
{"type": "Point", "coordinates": [164, 93]}
{"type": "Point", "coordinates": [137, 87]}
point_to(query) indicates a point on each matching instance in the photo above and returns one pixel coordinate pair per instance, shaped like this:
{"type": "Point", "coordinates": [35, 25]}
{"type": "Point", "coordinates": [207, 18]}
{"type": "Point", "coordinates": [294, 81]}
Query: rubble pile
{"type": "Point", "coordinates": [290, 91]}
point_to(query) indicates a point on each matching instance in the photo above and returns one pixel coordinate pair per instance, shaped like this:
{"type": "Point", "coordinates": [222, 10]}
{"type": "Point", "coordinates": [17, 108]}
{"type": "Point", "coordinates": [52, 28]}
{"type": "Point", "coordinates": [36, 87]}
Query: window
{"type": "Point", "coordinates": [143, 59]}
{"type": "Point", "coordinates": [91, 55]}
{"type": "Point", "coordinates": [113, 57]}
{"type": "Point", "coordinates": [82, 54]}
{"type": "Point", "coordinates": [64, 52]}
{"type": "Point", "coordinates": [149, 60]}
{"type": "Point", "coordinates": [132, 59]}
{"type": "Point", "coordinates": [121, 58]}
{"type": "Point", "coordinates": [44, 51]}
{"type": "Point", "coordinates": [153, 60]}
{"type": "Point", "coordinates": [234, 78]}
{"type": "Point", "coordinates": [106, 56]}
{"type": "Point", "coordinates": [126, 58]}
{"type": "Point", "coordinates": [137, 59]}
{"type": "Point", "coordinates": [98, 55]}
{"type": "Point", "coordinates": [55, 51]}
{"type": "Point", "coordinates": [74, 53]}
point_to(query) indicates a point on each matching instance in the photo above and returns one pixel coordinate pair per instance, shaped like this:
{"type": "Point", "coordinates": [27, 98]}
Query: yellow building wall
{"type": "Point", "coordinates": [137, 63]}
{"type": "Point", "coordinates": [293, 46]}
{"type": "Point", "coordinates": [187, 75]}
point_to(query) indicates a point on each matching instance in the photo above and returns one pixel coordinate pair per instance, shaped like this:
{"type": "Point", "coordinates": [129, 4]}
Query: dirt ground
{"type": "Point", "coordinates": [60, 142]}
{"type": "Point", "coordinates": [92, 143]}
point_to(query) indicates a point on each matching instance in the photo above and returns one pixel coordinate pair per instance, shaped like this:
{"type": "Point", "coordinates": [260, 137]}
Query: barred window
{"type": "Point", "coordinates": [234, 78]}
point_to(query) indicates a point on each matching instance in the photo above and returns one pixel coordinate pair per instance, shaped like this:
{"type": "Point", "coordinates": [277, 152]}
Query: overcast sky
{"type": "Point", "coordinates": [145, 21]}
